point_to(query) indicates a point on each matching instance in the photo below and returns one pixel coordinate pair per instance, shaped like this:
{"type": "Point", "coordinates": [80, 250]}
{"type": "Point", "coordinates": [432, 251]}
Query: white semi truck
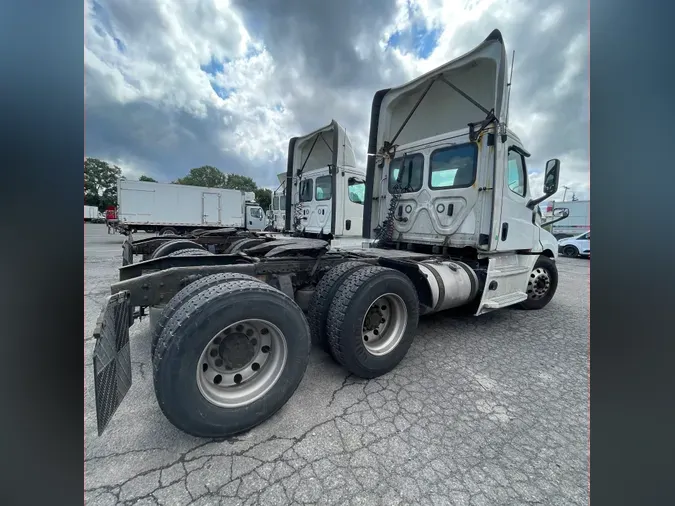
{"type": "Point", "coordinates": [449, 220]}
{"type": "Point", "coordinates": [325, 186]}
{"type": "Point", "coordinates": [174, 209]}
{"type": "Point", "coordinates": [319, 205]}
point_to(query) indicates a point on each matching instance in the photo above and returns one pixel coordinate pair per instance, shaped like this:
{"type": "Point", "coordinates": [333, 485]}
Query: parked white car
{"type": "Point", "coordinates": [576, 246]}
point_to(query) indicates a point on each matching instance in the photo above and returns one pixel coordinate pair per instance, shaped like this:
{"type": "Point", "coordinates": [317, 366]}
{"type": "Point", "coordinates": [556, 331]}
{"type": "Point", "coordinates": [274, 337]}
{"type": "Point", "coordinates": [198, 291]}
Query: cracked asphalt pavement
{"type": "Point", "coordinates": [482, 411]}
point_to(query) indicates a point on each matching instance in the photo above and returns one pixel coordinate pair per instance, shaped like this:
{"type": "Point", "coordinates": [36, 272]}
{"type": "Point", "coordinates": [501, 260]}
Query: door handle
{"type": "Point", "coordinates": [505, 231]}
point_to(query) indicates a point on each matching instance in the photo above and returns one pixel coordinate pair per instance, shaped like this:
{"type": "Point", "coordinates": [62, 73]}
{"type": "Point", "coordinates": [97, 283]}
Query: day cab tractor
{"type": "Point", "coordinates": [448, 222]}
{"type": "Point", "coordinates": [325, 186]}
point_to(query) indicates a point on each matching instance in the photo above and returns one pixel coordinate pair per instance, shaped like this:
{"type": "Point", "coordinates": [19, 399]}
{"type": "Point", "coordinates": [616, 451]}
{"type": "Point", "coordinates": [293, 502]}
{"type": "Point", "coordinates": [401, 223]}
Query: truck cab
{"type": "Point", "coordinates": [254, 214]}
{"type": "Point", "coordinates": [446, 174]}
{"type": "Point", "coordinates": [325, 189]}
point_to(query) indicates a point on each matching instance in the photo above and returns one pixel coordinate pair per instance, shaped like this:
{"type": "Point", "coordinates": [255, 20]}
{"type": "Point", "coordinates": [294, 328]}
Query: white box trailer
{"type": "Point", "coordinates": [91, 213]}
{"type": "Point", "coordinates": [578, 221]}
{"type": "Point", "coordinates": [175, 209]}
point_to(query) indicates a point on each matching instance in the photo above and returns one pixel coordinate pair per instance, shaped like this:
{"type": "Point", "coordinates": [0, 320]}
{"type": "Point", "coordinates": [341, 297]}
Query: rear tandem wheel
{"type": "Point", "coordinates": [372, 320]}
{"type": "Point", "coordinates": [229, 358]}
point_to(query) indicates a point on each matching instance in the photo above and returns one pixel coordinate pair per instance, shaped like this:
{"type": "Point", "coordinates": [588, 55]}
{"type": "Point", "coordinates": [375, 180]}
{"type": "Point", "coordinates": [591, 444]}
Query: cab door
{"type": "Point", "coordinates": [516, 227]}
{"type": "Point", "coordinates": [255, 218]}
{"type": "Point", "coordinates": [320, 217]}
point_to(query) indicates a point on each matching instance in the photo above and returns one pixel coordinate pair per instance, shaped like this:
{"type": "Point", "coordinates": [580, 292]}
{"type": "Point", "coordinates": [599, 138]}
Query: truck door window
{"type": "Point", "coordinates": [411, 174]}
{"type": "Point", "coordinates": [516, 173]}
{"type": "Point", "coordinates": [256, 213]}
{"type": "Point", "coordinates": [306, 188]}
{"type": "Point", "coordinates": [324, 186]}
{"type": "Point", "coordinates": [357, 190]}
{"type": "Point", "coordinates": [453, 167]}
{"type": "Point", "coordinates": [275, 203]}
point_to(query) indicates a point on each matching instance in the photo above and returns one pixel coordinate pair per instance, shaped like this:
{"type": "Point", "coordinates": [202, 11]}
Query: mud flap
{"type": "Point", "coordinates": [112, 358]}
{"type": "Point", "coordinates": [128, 251]}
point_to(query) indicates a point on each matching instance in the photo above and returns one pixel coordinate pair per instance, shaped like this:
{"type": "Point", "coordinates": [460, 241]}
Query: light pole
{"type": "Point", "coordinates": [565, 193]}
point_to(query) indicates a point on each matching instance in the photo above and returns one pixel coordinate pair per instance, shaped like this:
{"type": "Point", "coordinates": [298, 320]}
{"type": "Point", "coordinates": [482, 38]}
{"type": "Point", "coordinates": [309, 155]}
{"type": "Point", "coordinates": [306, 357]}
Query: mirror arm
{"type": "Point", "coordinates": [534, 202]}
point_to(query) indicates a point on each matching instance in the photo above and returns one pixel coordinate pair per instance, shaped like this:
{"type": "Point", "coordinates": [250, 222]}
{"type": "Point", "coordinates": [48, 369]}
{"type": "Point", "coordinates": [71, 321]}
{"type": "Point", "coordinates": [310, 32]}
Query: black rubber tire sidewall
{"type": "Point", "coordinates": [550, 265]}
{"type": "Point", "coordinates": [175, 245]}
{"type": "Point", "coordinates": [570, 251]}
{"type": "Point", "coordinates": [354, 296]}
{"type": "Point", "coordinates": [175, 363]}
{"type": "Point", "coordinates": [168, 229]}
{"type": "Point", "coordinates": [185, 294]}
{"type": "Point", "coordinates": [317, 313]}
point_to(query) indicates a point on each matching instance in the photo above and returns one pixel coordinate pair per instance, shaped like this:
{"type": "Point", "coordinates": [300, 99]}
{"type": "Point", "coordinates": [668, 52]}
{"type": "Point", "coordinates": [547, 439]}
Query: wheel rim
{"type": "Point", "coordinates": [539, 284]}
{"type": "Point", "coordinates": [384, 324]}
{"type": "Point", "coordinates": [166, 232]}
{"type": "Point", "coordinates": [241, 363]}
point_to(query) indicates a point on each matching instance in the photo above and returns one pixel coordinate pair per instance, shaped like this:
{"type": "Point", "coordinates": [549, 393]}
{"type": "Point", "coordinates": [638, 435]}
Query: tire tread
{"type": "Point", "coordinates": [317, 313]}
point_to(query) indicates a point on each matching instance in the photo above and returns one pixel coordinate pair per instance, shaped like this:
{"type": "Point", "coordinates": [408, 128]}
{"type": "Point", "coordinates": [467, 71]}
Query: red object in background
{"type": "Point", "coordinates": [549, 208]}
{"type": "Point", "coordinates": [111, 213]}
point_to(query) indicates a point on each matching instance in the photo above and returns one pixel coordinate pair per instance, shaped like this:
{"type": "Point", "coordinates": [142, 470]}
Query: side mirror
{"type": "Point", "coordinates": [551, 178]}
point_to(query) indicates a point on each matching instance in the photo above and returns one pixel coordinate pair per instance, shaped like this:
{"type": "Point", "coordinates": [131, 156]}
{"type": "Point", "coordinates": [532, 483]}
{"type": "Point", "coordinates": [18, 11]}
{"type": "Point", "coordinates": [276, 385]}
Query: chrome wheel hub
{"type": "Point", "coordinates": [241, 363]}
{"type": "Point", "coordinates": [539, 283]}
{"type": "Point", "coordinates": [384, 324]}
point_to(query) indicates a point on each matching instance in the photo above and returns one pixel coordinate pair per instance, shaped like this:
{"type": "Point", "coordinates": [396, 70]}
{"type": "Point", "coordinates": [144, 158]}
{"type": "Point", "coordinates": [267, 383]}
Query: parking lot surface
{"type": "Point", "coordinates": [482, 411]}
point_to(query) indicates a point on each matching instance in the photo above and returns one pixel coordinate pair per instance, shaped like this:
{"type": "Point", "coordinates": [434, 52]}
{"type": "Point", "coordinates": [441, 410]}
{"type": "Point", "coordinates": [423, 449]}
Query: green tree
{"type": "Point", "coordinates": [263, 196]}
{"type": "Point", "coordinates": [100, 183]}
{"type": "Point", "coordinates": [206, 175]}
{"type": "Point", "coordinates": [239, 182]}
{"type": "Point", "coordinates": [147, 179]}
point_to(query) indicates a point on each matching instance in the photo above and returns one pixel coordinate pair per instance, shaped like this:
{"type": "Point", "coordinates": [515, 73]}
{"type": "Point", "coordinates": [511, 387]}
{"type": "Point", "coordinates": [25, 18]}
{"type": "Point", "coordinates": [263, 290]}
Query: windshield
{"type": "Point", "coordinates": [357, 190]}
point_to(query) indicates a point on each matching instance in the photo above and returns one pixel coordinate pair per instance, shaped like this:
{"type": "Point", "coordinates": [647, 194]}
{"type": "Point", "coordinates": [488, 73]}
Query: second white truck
{"type": "Point", "coordinates": [324, 187]}
{"type": "Point", "coordinates": [173, 209]}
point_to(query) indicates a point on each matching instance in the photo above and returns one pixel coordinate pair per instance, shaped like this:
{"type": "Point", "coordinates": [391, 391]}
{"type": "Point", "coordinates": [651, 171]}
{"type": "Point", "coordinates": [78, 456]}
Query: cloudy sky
{"type": "Point", "coordinates": [175, 84]}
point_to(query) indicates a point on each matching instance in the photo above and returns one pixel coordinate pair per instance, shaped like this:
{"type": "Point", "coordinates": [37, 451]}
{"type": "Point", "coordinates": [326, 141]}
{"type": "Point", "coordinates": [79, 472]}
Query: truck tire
{"type": "Point", "coordinates": [168, 231]}
{"type": "Point", "coordinates": [542, 284]}
{"type": "Point", "coordinates": [242, 244]}
{"type": "Point", "coordinates": [372, 321]}
{"type": "Point", "coordinates": [175, 245]}
{"type": "Point", "coordinates": [200, 252]}
{"type": "Point", "coordinates": [317, 313]}
{"type": "Point", "coordinates": [158, 320]}
{"type": "Point", "coordinates": [230, 358]}
{"type": "Point", "coordinates": [570, 251]}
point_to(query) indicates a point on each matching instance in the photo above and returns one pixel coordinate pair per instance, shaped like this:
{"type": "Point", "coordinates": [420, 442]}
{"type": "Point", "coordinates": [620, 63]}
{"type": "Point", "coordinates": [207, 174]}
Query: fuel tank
{"type": "Point", "coordinates": [452, 283]}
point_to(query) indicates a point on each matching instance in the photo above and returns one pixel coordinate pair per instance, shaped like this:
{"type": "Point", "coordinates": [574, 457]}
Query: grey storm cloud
{"type": "Point", "coordinates": [325, 62]}
{"type": "Point", "coordinates": [319, 37]}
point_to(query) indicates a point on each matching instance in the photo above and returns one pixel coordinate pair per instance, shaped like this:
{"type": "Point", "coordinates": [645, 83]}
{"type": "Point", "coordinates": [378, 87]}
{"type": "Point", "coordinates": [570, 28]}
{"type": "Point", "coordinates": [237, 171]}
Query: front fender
{"type": "Point", "coordinates": [548, 242]}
